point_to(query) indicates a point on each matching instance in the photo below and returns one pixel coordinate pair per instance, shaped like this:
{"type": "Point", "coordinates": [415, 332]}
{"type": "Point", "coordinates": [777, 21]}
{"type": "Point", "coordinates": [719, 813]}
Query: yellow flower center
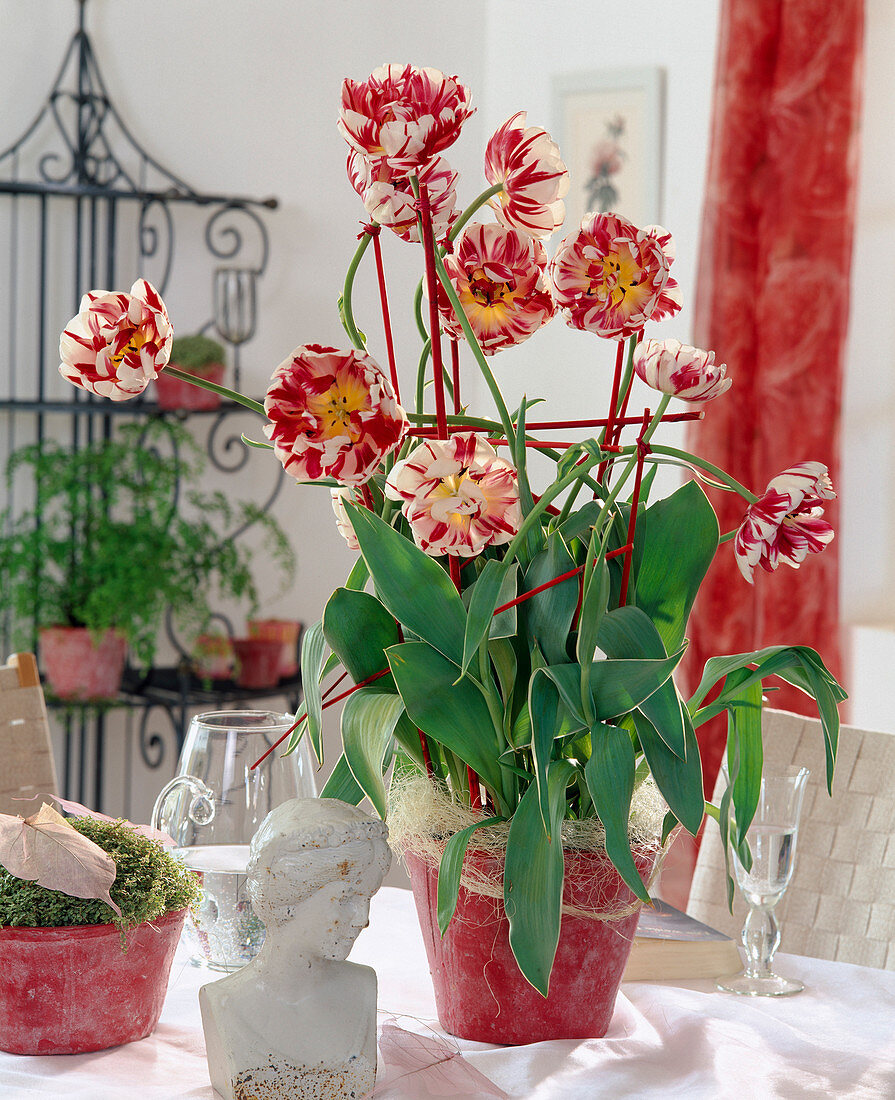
{"type": "Point", "coordinates": [617, 277]}
{"type": "Point", "coordinates": [334, 408]}
{"type": "Point", "coordinates": [139, 337]}
{"type": "Point", "coordinates": [450, 503]}
{"type": "Point", "coordinates": [490, 300]}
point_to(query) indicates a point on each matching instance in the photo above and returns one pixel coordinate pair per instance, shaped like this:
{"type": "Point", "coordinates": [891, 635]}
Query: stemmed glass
{"type": "Point", "coordinates": [772, 842]}
{"type": "Point", "coordinates": [235, 308]}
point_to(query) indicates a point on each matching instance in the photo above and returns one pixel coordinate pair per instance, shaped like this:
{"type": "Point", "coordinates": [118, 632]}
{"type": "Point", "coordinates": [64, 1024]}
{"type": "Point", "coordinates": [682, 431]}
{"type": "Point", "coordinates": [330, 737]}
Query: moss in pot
{"type": "Point", "coordinates": [77, 977]}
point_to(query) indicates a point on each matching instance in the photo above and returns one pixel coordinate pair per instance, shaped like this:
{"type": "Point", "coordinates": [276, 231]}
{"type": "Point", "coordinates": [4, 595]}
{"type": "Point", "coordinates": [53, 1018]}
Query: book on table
{"type": "Point", "coordinates": [670, 945]}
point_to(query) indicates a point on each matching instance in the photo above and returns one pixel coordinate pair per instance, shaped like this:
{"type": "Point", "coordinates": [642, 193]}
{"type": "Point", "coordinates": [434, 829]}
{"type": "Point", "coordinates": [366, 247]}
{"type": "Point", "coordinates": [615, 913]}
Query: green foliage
{"type": "Point", "coordinates": [148, 883]}
{"type": "Point", "coordinates": [195, 352]}
{"type": "Point", "coordinates": [113, 540]}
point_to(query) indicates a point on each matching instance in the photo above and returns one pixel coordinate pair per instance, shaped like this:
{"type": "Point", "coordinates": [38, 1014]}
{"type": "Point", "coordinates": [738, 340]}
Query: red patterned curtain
{"type": "Point", "coordinates": [772, 302]}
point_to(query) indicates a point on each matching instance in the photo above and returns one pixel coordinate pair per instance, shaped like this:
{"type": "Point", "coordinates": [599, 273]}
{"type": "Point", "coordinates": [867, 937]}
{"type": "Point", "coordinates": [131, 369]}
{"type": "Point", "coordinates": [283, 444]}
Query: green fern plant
{"type": "Point", "coordinates": [113, 539]}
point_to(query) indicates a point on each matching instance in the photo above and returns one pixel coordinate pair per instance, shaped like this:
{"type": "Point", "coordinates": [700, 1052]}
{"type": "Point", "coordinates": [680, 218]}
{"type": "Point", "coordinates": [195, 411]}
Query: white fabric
{"type": "Point", "coordinates": [837, 1039]}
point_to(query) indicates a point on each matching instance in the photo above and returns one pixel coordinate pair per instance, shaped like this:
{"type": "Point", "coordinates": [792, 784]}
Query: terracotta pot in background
{"type": "Point", "coordinates": [213, 657]}
{"type": "Point", "coordinates": [173, 393]}
{"type": "Point", "coordinates": [72, 990]}
{"type": "Point", "coordinates": [79, 667]}
{"type": "Point", "coordinates": [480, 991]}
{"type": "Point", "coordinates": [258, 662]}
{"type": "Point", "coordinates": [287, 633]}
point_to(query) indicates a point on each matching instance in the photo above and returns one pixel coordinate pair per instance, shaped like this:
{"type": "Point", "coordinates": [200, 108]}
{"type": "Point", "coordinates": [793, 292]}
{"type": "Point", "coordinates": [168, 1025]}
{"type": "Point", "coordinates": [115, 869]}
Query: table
{"type": "Point", "coordinates": [837, 1039]}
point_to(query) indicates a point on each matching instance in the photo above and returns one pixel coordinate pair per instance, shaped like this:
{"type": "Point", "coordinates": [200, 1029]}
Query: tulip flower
{"type": "Point", "coordinates": [500, 278]}
{"type": "Point", "coordinates": [458, 495]}
{"type": "Point", "coordinates": [681, 370]}
{"type": "Point", "coordinates": [117, 343]}
{"type": "Point", "coordinates": [786, 524]}
{"type": "Point", "coordinates": [343, 523]}
{"type": "Point", "coordinates": [610, 277]}
{"type": "Point", "coordinates": [332, 414]}
{"type": "Point", "coordinates": [402, 115]}
{"type": "Point", "coordinates": [391, 202]}
{"type": "Point", "coordinates": [526, 160]}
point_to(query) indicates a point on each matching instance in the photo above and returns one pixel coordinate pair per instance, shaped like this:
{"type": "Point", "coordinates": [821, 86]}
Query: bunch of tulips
{"type": "Point", "coordinates": [515, 646]}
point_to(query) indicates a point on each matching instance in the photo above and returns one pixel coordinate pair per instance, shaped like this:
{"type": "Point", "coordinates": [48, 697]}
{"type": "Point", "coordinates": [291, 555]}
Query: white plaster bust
{"type": "Point", "coordinates": [299, 1022]}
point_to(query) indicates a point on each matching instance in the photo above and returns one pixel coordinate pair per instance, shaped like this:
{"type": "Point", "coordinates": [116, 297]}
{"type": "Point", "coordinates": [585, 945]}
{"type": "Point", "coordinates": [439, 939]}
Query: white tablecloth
{"type": "Point", "coordinates": [837, 1039]}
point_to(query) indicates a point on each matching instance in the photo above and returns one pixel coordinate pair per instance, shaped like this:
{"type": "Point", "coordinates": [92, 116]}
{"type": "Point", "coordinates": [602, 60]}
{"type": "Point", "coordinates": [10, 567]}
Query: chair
{"type": "Point", "coordinates": [26, 754]}
{"type": "Point", "coordinates": [840, 903]}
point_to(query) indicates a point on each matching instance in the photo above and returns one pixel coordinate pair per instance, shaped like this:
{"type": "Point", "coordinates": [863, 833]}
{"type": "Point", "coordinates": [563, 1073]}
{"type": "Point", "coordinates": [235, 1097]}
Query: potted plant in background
{"type": "Point", "coordinates": [513, 646]}
{"type": "Point", "coordinates": [90, 914]}
{"type": "Point", "coordinates": [198, 355]}
{"type": "Point", "coordinates": [110, 543]}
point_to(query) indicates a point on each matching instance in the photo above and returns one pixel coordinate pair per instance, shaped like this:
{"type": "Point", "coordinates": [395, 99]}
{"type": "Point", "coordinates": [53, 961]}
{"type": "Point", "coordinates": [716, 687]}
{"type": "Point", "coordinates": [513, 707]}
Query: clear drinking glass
{"type": "Point", "coordinates": [213, 807]}
{"type": "Point", "coordinates": [772, 841]}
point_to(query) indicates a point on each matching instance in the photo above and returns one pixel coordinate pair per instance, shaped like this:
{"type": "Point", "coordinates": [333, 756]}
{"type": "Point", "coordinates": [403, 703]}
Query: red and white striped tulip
{"type": "Point", "coordinates": [343, 523]}
{"type": "Point", "coordinates": [526, 160]}
{"type": "Point", "coordinates": [332, 414]}
{"type": "Point", "coordinates": [610, 277]}
{"type": "Point", "coordinates": [500, 276]}
{"type": "Point", "coordinates": [403, 115]}
{"type": "Point", "coordinates": [681, 370]}
{"type": "Point", "coordinates": [117, 343]}
{"type": "Point", "coordinates": [786, 523]}
{"type": "Point", "coordinates": [458, 495]}
{"type": "Point", "coordinates": [391, 202]}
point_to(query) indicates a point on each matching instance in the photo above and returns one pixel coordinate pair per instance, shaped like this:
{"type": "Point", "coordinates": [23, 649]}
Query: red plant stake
{"type": "Point", "coordinates": [386, 321]}
{"type": "Point", "coordinates": [434, 327]}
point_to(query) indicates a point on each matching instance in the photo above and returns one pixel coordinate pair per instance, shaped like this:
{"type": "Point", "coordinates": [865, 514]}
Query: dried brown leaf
{"type": "Point", "coordinates": [45, 849]}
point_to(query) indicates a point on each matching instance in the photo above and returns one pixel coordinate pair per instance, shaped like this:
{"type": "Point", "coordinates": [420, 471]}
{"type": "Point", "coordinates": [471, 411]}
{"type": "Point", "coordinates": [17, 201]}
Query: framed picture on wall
{"type": "Point", "coordinates": [609, 127]}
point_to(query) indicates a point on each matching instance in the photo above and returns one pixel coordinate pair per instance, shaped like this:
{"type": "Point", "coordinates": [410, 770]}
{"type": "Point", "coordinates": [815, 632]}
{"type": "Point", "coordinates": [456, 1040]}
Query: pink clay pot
{"type": "Point", "coordinates": [258, 662]}
{"type": "Point", "coordinates": [77, 666]}
{"type": "Point", "coordinates": [480, 992]}
{"type": "Point", "coordinates": [73, 990]}
{"type": "Point", "coordinates": [174, 394]}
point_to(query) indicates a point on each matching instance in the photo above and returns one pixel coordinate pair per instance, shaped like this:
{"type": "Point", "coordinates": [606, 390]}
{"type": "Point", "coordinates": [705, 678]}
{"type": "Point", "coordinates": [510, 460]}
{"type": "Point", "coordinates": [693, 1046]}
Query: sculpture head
{"type": "Point", "coordinates": [314, 865]}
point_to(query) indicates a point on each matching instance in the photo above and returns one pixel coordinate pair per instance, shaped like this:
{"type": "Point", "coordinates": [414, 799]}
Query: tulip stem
{"type": "Point", "coordinates": [213, 387]}
{"type": "Point", "coordinates": [476, 203]}
{"type": "Point", "coordinates": [345, 310]}
{"type": "Point", "coordinates": [487, 373]}
{"type": "Point", "coordinates": [687, 459]}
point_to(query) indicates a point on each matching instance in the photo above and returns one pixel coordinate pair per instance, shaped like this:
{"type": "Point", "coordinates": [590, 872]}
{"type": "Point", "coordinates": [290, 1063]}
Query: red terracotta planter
{"type": "Point", "coordinates": [72, 990]}
{"type": "Point", "coordinates": [258, 662]}
{"type": "Point", "coordinates": [479, 990]}
{"type": "Point", "coordinates": [77, 666]}
{"type": "Point", "coordinates": [173, 393]}
{"type": "Point", "coordinates": [287, 633]}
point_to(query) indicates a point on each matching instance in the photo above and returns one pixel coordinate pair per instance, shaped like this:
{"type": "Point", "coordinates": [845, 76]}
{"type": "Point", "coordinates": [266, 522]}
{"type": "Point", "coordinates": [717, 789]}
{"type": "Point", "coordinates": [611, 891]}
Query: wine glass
{"type": "Point", "coordinates": [213, 807]}
{"type": "Point", "coordinates": [235, 303]}
{"type": "Point", "coordinates": [772, 842]}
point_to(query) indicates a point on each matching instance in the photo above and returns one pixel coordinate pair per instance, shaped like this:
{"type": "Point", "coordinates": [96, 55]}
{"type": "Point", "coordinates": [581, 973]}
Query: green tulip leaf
{"type": "Point", "coordinates": [674, 544]}
{"type": "Point", "coordinates": [368, 722]}
{"type": "Point", "coordinates": [678, 777]}
{"type": "Point", "coordinates": [413, 586]}
{"type": "Point", "coordinates": [533, 878]}
{"type": "Point", "coordinates": [450, 868]}
{"type": "Point", "coordinates": [342, 784]}
{"type": "Point", "coordinates": [610, 779]}
{"type": "Point", "coordinates": [451, 711]}
{"type": "Point", "coordinates": [313, 644]}
{"type": "Point", "coordinates": [359, 629]}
